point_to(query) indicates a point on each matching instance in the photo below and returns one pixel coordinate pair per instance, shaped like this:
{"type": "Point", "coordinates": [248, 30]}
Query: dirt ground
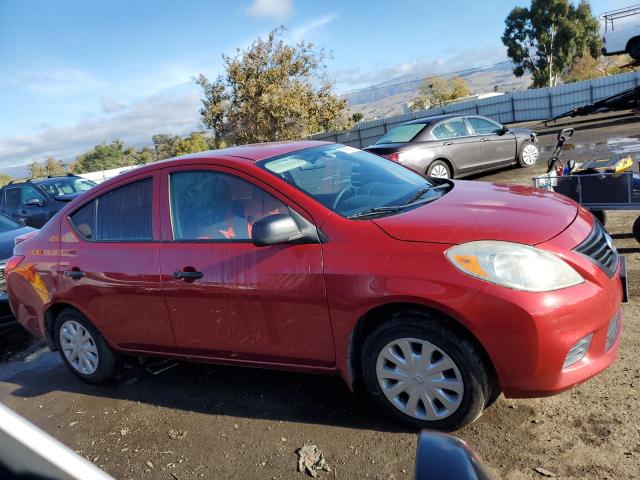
{"type": "Point", "coordinates": [203, 421]}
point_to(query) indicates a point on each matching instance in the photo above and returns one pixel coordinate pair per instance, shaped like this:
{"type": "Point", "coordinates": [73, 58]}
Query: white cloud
{"type": "Point", "coordinates": [52, 81]}
{"type": "Point", "coordinates": [279, 9]}
{"type": "Point", "coordinates": [307, 28]}
{"type": "Point", "coordinates": [110, 105]}
{"type": "Point", "coordinates": [134, 123]}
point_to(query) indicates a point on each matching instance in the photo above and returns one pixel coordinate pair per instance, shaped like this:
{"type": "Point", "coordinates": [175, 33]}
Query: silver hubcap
{"type": "Point", "coordinates": [79, 347]}
{"type": "Point", "coordinates": [529, 154]}
{"type": "Point", "coordinates": [439, 171]}
{"type": "Point", "coordinates": [419, 379]}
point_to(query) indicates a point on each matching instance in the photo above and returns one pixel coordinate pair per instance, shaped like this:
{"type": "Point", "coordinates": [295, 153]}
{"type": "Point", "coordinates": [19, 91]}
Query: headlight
{"type": "Point", "coordinates": [513, 265]}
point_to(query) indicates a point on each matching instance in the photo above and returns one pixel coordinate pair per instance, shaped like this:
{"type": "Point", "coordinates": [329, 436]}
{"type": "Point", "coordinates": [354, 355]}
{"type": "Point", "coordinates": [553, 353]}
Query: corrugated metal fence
{"type": "Point", "coordinates": [522, 106]}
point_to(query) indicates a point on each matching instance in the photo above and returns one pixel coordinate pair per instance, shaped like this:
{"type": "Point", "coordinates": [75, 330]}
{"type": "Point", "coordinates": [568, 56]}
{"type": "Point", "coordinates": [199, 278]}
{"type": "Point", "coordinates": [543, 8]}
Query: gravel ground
{"type": "Point", "coordinates": [202, 421]}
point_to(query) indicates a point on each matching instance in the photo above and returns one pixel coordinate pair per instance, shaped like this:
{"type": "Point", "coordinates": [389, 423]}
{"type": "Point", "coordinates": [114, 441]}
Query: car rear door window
{"type": "Point", "coordinates": [123, 214]}
{"type": "Point", "coordinates": [451, 129]}
{"type": "Point", "coordinates": [209, 205]}
{"type": "Point", "coordinates": [482, 126]}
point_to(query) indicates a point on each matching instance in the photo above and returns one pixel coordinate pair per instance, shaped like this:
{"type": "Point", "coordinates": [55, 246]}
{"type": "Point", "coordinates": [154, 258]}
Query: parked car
{"type": "Point", "coordinates": [28, 453]}
{"type": "Point", "coordinates": [34, 201]}
{"type": "Point", "coordinates": [9, 231]}
{"type": "Point", "coordinates": [626, 37]}
{"type": "Point", "coordinates": [447, 146]}
{"type": "Point", "coordinates": [434, 295]}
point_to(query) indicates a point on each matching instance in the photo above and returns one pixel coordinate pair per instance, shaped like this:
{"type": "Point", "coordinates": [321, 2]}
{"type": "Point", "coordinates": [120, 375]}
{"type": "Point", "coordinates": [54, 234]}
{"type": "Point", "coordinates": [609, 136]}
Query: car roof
{"type": "Point", "coordinates": [432, 119]}
{"type": "Point", "coordinates": [53, 178]}
{"type": "Point", "coordinates": [255, 151]}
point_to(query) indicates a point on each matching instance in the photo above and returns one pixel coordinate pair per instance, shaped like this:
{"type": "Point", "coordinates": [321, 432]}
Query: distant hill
{"type": "Point", "coordinates": [386, 98]}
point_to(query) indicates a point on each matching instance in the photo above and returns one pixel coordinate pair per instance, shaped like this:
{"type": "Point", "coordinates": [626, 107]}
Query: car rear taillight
{"type": "Point", "coordinates": [12, 263]}
{"type": "Point", "coordinates": [395, 156]}
{"type": "Point", "coordinates": [23, 237]}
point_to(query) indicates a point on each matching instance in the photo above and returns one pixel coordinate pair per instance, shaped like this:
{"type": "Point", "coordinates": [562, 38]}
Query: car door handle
{"type": "Point", "coordinates": [187, 275]}
{"type": "Point", "coordinates": [448, 143]}
{"type": "Point", "coordinates": [484, 139]}
{"type": "Point", "coordinates": [74, 274]}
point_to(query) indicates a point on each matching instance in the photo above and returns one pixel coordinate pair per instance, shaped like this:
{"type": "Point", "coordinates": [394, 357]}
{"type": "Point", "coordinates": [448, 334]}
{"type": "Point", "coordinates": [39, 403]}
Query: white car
{"type": "Point", "coordinates": [626, 38]}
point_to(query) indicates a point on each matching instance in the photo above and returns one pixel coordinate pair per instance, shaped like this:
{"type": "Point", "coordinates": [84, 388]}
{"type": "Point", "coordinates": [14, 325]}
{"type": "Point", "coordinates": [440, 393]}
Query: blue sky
{"type": "Point", "coordinates": [75, 73]}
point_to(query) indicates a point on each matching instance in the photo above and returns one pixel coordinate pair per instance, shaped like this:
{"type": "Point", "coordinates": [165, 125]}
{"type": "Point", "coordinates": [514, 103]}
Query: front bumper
{"type": "Point", "coordinates": [528, 335]}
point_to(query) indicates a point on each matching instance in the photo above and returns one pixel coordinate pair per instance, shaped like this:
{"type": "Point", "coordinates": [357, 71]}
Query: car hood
{"type": "Point", "coordinates": [521, 132]}
{"type": "Point", "coordinates": [7, 241]}
{"type": "Point", "coordinates": [474, 210]}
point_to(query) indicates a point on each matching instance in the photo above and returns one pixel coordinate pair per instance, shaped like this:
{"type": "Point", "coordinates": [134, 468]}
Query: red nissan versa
{"type": "Point", "coordinates": [434, 295]}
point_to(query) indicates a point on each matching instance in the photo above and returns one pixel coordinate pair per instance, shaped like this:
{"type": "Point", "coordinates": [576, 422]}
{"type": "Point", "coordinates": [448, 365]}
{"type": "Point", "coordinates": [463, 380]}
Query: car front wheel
{"type": "Point", "coordinates": [425, 374]}
{"type": "Point", "coordinates": [528, 155]}
{"type": "Point", "coordinates": [83, 349]}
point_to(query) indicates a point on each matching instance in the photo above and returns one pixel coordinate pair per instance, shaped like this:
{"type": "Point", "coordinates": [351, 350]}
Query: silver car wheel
{"type": "Point", "coordinates": [439, 171]}
{"type": "Point", "coordinates": [419, 379]}
{"type": "Point", "coordinates": [530, 154]}
{"type": "Point", "coordinates": [79, 347]}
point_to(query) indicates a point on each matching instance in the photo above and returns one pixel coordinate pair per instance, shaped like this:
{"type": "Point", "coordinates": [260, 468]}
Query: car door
{"type": "Point", "coordinates": [227, 297]}
{"type": "Point", "coordinates": [498, 146]}
{"type": "Point", "coordinates": [462, 148]}
{"type": "Point", "coordinates": [32, 207]}
{"type": "Point", "coordinates": [109, 250]}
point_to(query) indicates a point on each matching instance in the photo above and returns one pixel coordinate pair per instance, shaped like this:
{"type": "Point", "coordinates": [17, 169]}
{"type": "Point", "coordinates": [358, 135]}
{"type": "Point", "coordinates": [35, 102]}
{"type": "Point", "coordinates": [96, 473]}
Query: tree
{"type": "Point", "coordinates": [438, 91]}
{"type": "Point", "coordinates": [583, 68]}
{"type": "Point", "coordinates": [196, 142]}
{"type": "Point", "coordinates": [271, 91]}
{"type": "Point", "coordinates": [36, 170]}
{"type": "Point", "coordinates": [53, 167]}
{"type": "Point", "coordinates": [101, 157]}
{"type": "Point", "coordinates": [4, 179]}
{"type": "Point", "coordinates": [545, 38]}
{"type": "Point", "coordinates": [164, 145]}
{"type": "Point", "coordinates": [357, 117]}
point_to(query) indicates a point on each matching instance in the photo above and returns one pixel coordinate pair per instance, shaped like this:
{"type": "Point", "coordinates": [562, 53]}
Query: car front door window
{"type": "Point", "coordinates": [208, 205]}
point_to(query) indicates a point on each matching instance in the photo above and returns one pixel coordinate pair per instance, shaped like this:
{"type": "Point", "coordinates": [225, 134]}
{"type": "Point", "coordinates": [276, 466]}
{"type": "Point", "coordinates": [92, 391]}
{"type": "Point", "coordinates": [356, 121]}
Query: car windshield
{"type": "Point", "coordinates": [7, 224]}
{"type": "Point", "coordinates": [354, 183]}
{"type": "Point", "coordinates": [402, 134]}
{"type": "Point", "coordinates": [64, 186]}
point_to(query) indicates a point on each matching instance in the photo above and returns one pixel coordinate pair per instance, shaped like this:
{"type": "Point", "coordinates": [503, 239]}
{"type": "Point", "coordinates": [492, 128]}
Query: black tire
{"type": "Point", "coordinates": [636, 229]}
{"type": "Point", "coordinates": [634, 48]}
{"type": "Point", "coordinates": [108, 360]}
{"type": "Point", "coordinates": [439, 164]}
{"type": "Point", "coordinates": [521, 160]}
{"type": "Point", "coordinates": [600, 215]}
{"type": "Point", "coordinates": [479, 388]}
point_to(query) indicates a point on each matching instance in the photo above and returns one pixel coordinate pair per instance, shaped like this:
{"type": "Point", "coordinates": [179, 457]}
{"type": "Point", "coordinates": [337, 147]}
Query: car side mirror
{"type": "Point", "coordinates": [35, 202]}
{"type": "Point", "coordinates": [503, 130]}
{"type": "Point", "coordinates": [444, 456]}
{"type": "Point", "coordinates": [283, 228]}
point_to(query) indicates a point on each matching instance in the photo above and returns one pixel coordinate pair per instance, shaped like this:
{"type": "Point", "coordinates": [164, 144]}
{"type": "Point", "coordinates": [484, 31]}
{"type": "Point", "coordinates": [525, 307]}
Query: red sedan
{"type": "Point", "coordinates": [434, 295]}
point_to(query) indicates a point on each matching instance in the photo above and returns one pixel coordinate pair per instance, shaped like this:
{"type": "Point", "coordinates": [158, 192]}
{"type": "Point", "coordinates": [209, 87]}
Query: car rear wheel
{"type": "Point", "coordinates": [439, 169]}
{"type": "Point", "coordinates": [425, 374]}
{"type": "Point", "coordinates": [83, 349]}
{"type": "Point", "coordinates": [528, 155]}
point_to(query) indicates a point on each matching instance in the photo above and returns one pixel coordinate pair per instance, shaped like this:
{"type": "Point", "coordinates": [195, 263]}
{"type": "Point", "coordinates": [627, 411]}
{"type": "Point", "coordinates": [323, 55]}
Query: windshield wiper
{"type": "Point", "coordinates": [422, 191]}
{"type": "Point", "coordinates": [394, 208]}
{"type": "Point", "coordinates": [377, 211]}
